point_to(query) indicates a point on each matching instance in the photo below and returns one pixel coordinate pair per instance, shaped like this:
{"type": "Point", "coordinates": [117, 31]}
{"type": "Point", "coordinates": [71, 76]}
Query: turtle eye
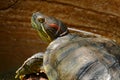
{"type": "Point", "coordinates": [41, 20]}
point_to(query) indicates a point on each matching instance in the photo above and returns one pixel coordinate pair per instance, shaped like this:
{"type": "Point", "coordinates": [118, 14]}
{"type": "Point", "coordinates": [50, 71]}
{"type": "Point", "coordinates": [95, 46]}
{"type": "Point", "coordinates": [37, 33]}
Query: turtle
{"type": "Point", "coordinates": [70, 56]}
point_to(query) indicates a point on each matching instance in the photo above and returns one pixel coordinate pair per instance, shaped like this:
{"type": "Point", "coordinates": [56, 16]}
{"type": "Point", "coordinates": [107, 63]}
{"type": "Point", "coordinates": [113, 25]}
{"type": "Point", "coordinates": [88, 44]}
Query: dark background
{"type": "Point", "coordinates": [18, 40]}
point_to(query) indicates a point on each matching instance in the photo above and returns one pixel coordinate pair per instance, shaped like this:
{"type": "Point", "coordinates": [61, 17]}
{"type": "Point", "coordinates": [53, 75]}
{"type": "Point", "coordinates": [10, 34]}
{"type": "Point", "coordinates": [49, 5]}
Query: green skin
{"type": "Point", "coordinates": [37, 22]}
{"type": "Point", "coordinates": [48, 28]}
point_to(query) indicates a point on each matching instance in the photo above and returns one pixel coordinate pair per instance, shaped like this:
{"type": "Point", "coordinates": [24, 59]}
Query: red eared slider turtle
{"type": "Point", "coordinates": [71, 57]}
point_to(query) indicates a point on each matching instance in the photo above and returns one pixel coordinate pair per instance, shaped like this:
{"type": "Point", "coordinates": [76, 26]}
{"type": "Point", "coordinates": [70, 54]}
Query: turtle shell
{"type": "Point", "coordinates": [33, 64]}
{"type": "Point", "coordinates": [75, 58]}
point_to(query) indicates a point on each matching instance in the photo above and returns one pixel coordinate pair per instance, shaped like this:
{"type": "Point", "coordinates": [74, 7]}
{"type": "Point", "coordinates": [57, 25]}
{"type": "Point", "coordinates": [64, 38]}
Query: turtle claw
{"type": "Point", "coordinates": [31, 65]}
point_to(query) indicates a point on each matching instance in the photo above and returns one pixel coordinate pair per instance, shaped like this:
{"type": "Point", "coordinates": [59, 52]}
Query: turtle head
{"type": "Point", "coordinates": [48, 28]}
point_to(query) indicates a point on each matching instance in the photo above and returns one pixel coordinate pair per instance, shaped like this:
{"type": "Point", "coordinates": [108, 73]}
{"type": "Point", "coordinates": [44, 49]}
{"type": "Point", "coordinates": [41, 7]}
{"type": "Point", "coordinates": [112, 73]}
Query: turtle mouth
{"type": "Point", "coordinates": [34, 25]}
{"type": "Point", "coordinates": [40, 27]}
{"type": "Point", "coordinates": [43, 34]}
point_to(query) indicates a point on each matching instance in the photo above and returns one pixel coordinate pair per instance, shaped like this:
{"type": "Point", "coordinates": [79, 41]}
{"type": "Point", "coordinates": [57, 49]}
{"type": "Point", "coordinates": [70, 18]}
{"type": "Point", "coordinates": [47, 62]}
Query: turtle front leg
{"type": "Point", "coordinates": [34, 64]}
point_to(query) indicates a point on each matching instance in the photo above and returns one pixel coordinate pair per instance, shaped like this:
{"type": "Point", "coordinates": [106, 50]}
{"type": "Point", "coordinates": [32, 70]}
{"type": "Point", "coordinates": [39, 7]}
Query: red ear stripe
{"type": "Point", "coordinates": [55, 26]}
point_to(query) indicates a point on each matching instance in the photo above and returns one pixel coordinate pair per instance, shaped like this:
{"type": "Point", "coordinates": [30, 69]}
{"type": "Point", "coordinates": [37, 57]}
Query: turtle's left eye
{"type": "Point", "coordinates": [41, 20]}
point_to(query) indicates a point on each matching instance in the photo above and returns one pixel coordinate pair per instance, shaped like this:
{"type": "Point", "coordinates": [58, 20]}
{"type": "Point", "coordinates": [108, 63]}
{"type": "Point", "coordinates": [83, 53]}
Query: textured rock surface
{"type": "Point", "coordinates": [18, 40]}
